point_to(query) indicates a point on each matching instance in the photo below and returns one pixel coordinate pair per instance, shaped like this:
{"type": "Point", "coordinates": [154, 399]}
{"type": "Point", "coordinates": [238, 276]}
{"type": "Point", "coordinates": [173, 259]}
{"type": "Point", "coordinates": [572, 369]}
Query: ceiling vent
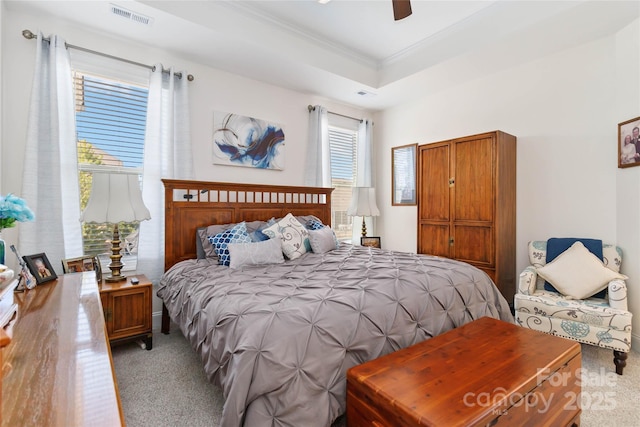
{"type": "Point", "coordinates": [365, 93]}
{"type": "Point", "coordinates": [131, 16]}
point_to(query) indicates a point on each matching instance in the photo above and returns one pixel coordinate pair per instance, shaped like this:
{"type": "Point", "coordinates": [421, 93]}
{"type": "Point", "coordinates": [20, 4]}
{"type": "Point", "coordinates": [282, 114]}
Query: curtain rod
{"type": "Point", "coordinates": [312, 108]}
{"type": "Point", "coordinates": [27, 34]}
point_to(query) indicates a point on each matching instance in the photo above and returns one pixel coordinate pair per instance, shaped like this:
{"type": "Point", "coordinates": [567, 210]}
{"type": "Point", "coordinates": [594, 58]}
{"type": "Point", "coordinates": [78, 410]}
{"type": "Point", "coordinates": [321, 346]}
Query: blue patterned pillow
{"type": "Point", "coordinates": [258, 235]}
{"type": "Point", "coordinates": [220, 242]}
{"type": "Point", "coordinates": [314, 224]}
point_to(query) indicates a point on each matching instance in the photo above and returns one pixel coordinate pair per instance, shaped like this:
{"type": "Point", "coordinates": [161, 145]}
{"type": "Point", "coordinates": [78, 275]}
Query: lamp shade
{"type": "Point", "coordinates": [115, 197]}
{"type": "Point", "coordinates": [363, 202]}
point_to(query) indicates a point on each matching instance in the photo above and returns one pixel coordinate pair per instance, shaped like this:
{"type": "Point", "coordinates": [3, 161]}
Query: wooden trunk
{"type": "Point", "coordinates": [484, 373]}
{"type": "Point", "coordinates": [467, 204]}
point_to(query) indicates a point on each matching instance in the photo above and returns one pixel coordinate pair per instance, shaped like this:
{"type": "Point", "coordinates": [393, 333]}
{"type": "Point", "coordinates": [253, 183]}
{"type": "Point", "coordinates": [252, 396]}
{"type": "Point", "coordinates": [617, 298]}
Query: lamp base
{"type": "Point", "coordinates": [116, 265]}
{"type": "Point", "coordinates": [364, 228]}
{"type": "Point", "coordinates": [112, 279]}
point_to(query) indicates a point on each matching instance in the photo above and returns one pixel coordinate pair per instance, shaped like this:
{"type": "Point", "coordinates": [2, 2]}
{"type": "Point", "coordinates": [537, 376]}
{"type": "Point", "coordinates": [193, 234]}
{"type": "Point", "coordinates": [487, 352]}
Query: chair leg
{"type": "Point", "coordinates": [620, 360]}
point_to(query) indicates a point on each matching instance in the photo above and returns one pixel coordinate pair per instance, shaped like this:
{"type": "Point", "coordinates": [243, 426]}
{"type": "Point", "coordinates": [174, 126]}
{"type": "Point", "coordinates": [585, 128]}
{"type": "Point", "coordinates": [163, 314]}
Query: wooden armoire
{"type": "Point", "coordinates": [467, 204]}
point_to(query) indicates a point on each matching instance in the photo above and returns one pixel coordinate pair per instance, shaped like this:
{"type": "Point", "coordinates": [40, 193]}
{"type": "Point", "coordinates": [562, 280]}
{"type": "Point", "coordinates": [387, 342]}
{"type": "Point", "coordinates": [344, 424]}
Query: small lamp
{"type": "Point", "coordinates": [115, 198]}
{"type": "Point", "coordinates": [363, 203]}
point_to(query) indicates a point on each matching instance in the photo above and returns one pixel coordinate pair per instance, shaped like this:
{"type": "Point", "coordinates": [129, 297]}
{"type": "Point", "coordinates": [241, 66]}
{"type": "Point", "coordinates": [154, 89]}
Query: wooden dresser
{"type": "Point", "coordinates": [484, 373]}
{"type": "Point", "coordinates": [57, 369]}
{"type": "Point", "coordinates": [467, 204]}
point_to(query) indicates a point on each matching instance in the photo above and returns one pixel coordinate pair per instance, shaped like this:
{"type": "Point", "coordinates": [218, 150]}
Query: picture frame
{"type": "Point", "coordinates": [83, 263]}
{"type": "Point", "coordinates": [372, 242]}
{"type": "Point", "coordinates": [403, 175]}
{"type": "Point", "coordinates": [247, 141]}
{"type": "Point", "coordinates": [629, 143]}
{"type": "Point", "coordinates": [40, 267]}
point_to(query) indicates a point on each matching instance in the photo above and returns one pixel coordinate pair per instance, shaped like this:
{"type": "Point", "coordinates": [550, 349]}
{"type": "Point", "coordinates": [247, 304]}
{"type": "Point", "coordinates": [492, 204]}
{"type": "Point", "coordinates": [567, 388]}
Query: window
{"type": "Point", "coordinates": [110, 125]}
{"type": "Point", "coordinates": [343, 143]}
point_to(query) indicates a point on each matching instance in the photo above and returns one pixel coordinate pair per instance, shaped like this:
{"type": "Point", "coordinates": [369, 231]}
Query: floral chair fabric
{"type": "Point", "coordinates": [602, 322]}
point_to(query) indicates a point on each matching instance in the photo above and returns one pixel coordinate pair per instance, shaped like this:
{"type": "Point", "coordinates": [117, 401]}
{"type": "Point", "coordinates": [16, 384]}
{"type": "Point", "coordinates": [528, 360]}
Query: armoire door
{"type": "Point", "coordinates": [434, 210]}
{"type": "Point", "coordinates": [473, 199]}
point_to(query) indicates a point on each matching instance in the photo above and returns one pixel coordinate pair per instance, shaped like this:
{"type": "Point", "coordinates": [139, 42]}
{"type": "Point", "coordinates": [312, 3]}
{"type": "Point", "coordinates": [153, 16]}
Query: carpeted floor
{"type": "Point", "coordinates": [167, 386]}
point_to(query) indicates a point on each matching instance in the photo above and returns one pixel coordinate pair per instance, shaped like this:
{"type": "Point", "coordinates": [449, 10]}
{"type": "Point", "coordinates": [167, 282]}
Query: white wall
{"type": "Point", "coordinates": [564, 111]}
{"type": "Point", "coordinates": [627, 106]}
{"type": "Point", "coordinates": [212, 90]}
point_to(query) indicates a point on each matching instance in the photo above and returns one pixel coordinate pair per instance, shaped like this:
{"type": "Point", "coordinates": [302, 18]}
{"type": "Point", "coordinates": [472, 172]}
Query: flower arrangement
{"type": "Point", "coordinates": [12, 209]}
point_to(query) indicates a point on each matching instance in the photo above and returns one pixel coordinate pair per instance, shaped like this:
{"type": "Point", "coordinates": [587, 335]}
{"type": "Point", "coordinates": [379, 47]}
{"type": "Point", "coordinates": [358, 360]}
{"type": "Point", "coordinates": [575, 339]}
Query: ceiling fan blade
{"type": "Point", "coordinates": [401, 9]}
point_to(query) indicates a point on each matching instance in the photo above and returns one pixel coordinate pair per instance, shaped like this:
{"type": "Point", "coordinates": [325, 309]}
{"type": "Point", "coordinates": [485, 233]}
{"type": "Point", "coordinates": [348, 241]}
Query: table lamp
{"type": "Point", "coordinates": [115, 198]}
{"type": "Point", "coordinates": [363, 203]}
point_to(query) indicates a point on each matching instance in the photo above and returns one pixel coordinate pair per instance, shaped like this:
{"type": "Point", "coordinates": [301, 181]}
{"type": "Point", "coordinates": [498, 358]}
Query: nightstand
{"type": "Point", "coordinates": [127, 309]}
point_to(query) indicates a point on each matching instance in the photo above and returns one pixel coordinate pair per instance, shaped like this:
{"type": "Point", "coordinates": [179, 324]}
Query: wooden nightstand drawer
{"type": "Point", "coordinates": [127, 309]}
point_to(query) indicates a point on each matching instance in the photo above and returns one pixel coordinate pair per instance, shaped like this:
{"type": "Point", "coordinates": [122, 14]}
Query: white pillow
{"type": "Point", "coordinates": [577, 273]}
{"type": "Point", "coordinates": [255, 253]}
{"type": "Point", "coordinates": [322, 240]}
{"type": "Point", "coordinates": [294, 237]}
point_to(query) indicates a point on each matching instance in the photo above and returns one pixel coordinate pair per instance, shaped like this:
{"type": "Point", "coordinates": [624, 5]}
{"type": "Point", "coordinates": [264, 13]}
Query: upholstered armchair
{"type": "Point", "coordinates": [577, 296]}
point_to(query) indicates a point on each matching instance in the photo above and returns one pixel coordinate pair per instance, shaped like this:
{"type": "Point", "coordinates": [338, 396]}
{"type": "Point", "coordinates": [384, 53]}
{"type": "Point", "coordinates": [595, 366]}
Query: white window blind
{"type": "Point", "coordinates": [343, 143]}
{"type": "Point", "coordinates": [110, 123]}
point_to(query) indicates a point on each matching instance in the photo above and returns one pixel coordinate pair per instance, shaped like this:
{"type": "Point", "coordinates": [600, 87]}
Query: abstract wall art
{"type": "Point", "coordinates": [246, 141]}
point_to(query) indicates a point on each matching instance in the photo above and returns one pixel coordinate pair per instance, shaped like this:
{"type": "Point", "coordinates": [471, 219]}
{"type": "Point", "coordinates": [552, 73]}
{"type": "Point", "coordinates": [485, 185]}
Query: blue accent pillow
{"type": "Point", "coordinates": [556, 246]}
{"type": "Point", "coordinates": [258, 236]}
{"type": "Point", "coordinates": [314, 224]}
{"type": "Point", "coordinates": [220, 242]}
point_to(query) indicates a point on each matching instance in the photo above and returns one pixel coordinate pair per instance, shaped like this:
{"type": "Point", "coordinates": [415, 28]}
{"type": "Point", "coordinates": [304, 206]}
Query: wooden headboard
{"type": "Point", "coordinates": [193, 204]}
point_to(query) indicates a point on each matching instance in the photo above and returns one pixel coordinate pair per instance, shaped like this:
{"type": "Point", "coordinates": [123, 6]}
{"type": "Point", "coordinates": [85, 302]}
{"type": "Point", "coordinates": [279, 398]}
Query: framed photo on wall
{"type": "Point", "coordinates": [629, 143]}
{"type": "Point", "coordinates": [403, 175]}
{"type": "Point", "coordinates": [40, 267]}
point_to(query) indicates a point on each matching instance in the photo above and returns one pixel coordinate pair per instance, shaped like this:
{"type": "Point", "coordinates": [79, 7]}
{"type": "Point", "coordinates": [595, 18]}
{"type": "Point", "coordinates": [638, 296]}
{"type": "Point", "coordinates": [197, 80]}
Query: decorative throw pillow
{"type": "Point", "coordinates": [205, 233]}
{"type": "Point", "coordinates": [200, 253]}
{"type": "Point", "coordinates": [294, 237]}
{"type": "Point", "coordinates": [314, 224]}
{"type": "Point", "coordinates": [557, 245]}
{"type": "Point", "coordinates": [322, 240]}
{"type": "Point", "coordinates": [256, 253]}
{"type": "Point", "coordinates": [577, 273]}
{"type": "Point", "coordinates": [305, 219]}
{"type": "Point", "coordinates": [258, 235]}
{"type": "Point", "coordinates": [220, 242]}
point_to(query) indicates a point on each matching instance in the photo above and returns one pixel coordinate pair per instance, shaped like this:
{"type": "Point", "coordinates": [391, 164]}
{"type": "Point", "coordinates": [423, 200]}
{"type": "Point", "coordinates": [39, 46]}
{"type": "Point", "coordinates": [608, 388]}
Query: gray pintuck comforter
{"type": "Point", "coordinates": [279, 339]}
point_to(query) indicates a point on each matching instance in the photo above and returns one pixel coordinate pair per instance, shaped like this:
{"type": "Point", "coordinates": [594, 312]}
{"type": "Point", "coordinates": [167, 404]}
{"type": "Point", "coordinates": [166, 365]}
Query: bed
{"type": "Point", "coordinates": [279, 338]}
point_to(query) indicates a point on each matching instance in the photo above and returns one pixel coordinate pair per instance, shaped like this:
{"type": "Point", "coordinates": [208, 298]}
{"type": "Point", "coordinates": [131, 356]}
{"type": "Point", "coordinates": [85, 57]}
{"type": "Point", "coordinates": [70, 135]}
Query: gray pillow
{"type": "Point", "coordinates": [322, 240]}
{"type": "Point", "coordinates": [255, 253]}
{"type": "Point", "coordinates": [200, 253]}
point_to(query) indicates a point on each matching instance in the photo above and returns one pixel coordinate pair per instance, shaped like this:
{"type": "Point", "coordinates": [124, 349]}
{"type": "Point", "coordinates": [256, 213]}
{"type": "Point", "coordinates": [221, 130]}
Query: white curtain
{"type": "Point", "coordinates": [364, 174]}
{"type": "Point", "coordinates": [318, 164]}
{"type": "Point", "coordinates": [50, 173]}
{"type": "Point", "coordinates": [167, 154]}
